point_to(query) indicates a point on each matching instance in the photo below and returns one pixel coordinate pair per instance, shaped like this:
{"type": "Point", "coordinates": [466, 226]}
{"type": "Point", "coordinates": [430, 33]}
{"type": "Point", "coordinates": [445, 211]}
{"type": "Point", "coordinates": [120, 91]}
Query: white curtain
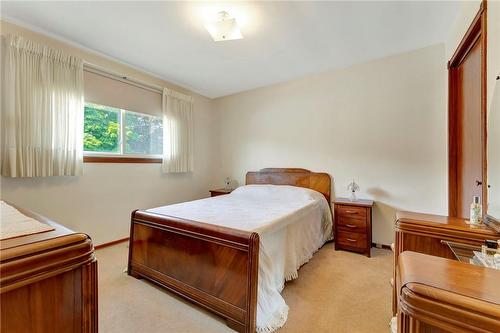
{"type": "Point", "coordinates": [42, 111]}
{"type": "Point", "coordinates": [177, 132]}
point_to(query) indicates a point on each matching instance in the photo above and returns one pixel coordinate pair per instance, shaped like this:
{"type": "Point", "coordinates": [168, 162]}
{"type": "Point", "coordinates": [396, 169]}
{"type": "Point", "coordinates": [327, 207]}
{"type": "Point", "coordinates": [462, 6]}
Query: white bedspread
{"type": "Point", "coordinates": [292, 223]}
{"type": "Point", "coordinates": [13, 223]}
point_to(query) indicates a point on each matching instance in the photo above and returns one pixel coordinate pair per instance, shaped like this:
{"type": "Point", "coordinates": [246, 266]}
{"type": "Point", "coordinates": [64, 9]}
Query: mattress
{"type": "Point", "coordinates": [292, 223]}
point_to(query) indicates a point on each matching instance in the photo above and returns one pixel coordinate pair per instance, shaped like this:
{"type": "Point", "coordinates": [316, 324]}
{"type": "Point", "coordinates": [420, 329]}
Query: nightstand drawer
{"type": "Point", "coordinates": [351, 224]}
{"type": "Point", "coordinates": [352, 212]}
{"type": "Point", "coordinates": [351, 240]}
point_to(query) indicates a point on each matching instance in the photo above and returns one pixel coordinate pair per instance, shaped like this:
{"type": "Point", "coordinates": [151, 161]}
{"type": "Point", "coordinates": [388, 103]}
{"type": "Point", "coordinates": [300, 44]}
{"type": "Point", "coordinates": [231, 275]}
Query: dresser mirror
{"type": "Point", "coordinates": [494, 154]}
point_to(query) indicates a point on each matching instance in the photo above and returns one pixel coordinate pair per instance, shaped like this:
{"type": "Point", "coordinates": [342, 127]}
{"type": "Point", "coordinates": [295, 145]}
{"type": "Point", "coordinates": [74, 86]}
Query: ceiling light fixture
{"type": "Point", "coordinates": [225, 28]}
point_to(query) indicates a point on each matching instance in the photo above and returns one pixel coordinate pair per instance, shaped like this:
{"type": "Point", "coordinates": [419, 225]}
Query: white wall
{"type": "Point", "coordinates": [100, 202]}
{"type": "Point", "coordinates": [382, 123]}
{"type": "Point", "coordinates": [466, 14]}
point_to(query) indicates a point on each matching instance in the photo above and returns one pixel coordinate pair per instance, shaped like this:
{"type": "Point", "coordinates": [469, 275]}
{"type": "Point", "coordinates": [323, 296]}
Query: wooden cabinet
{"type": "Point", "coordinates": [353, 225]}
{"type": "Point", "coordinates": [48, 281]}
{"type": "Point", "coordinates": [220, 191]}
{"type": "Point", "coordinates": [438, 295]}
{"type": "Point", "coordinates": [424, 233]}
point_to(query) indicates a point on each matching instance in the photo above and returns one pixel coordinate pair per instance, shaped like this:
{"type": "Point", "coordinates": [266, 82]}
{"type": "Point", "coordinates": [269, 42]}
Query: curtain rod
{"type": "Point", "coordinates": [119, 77]}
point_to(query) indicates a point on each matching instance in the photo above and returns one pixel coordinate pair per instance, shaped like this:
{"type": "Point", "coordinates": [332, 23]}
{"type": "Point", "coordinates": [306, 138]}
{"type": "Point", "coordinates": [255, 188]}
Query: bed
{"type": "Point", "coordinates": [232, 254]}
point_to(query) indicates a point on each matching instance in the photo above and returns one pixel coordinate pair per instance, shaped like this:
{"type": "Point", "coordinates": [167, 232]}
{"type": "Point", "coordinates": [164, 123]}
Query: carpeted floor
{"type": "Point", "coordinates": [336, 292]}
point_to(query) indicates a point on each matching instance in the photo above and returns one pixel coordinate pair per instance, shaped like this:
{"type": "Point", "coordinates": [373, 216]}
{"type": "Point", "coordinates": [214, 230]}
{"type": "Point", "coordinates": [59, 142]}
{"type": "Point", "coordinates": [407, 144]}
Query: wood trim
{"type": "Point", "coordinates": [484, 105]}
{"type": "Point", "coordinates": [471, 35]}
{"type": "Point", "coordinates": [452, 146]}
{"type": "Point", "coordinates": [90, 287]}
{"type": "Point", "coordinates": [477, 29]}
{"type": "Point", "coordinates": [118, 241]}
{"type": "Point", "coordinates": [120, 159]}
{"type": "Point", "coordinates": [382, 246]}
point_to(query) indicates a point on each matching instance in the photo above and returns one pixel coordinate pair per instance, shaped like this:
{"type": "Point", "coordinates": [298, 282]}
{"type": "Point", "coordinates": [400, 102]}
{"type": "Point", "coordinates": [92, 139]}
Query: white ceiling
{"type": "Point", "coordinates": [283, 40]}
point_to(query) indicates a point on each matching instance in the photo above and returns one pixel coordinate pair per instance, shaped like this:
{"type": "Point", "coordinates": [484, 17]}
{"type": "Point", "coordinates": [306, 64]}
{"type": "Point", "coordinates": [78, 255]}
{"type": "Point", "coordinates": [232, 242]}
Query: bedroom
{"type": "Point", "coordinates": [358, 91]}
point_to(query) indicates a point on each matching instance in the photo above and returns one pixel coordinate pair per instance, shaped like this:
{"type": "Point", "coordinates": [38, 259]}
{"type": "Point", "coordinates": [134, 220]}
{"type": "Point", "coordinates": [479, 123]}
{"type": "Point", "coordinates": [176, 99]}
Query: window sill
{"type": "Point", "coordinates": [120, 159]}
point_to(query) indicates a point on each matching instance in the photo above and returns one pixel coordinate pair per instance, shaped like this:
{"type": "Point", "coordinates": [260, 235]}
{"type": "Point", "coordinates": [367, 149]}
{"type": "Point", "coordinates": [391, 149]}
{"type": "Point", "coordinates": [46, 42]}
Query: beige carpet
{"type": "Point", "coordinates": [337, 292]}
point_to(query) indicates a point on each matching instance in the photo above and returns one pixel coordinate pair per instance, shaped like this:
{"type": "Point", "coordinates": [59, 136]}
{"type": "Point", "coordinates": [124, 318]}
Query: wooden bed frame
{"type": "Point", "coordinates": [212, 266]}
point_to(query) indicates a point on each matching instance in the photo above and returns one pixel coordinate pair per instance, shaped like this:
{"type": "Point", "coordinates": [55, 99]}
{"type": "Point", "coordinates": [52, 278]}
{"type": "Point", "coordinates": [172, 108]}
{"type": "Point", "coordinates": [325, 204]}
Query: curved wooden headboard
{"type": "Point", "coordinates": [320, 182]}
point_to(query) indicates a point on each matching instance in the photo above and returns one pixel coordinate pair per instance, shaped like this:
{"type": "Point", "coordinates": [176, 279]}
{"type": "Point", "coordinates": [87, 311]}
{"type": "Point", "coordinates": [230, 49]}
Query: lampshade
{"type": "Point", "coordinates": [225, 28]}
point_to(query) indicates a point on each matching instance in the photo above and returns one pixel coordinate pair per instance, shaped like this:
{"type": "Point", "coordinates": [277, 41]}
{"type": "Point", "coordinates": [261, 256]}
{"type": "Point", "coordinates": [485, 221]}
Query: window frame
{"type": "Point", "coordinates": [121, 156]}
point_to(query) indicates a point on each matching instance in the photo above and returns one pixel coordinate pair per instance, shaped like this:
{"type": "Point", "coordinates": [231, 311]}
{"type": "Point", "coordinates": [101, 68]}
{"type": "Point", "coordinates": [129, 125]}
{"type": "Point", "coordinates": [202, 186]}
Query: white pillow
{"type": "Point", "coordinates": [278, 192]}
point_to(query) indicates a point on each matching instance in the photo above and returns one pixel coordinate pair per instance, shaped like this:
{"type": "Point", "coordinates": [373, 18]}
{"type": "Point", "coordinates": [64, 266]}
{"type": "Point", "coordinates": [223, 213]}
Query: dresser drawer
{"type": "Point", "coordinates": [352, 212]}
{"type": "Point", "coordinates": [351, 240]}
{"type": "Point", "coordinates": [351, 224]}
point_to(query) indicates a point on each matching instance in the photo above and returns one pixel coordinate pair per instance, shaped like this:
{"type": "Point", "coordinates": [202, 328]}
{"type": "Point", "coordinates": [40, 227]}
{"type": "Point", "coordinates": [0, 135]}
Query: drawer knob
{"type": "Point", "coordinates": [351, 211]}
{"type": "Point", "coordinates": [351, 240]}
{"type": "Point", "coordinates": [350, 225]}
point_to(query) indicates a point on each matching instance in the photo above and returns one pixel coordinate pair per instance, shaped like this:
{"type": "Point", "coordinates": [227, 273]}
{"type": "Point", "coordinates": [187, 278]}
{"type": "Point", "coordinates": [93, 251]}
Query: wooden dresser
{"type": "Point", "coordinates": [442, 295]}
{"type": "Point", "coordinates": [353, 225]}
{"type": "Point", "coordinates": [424, 233]}
{"type": "Point", "coordinates": [48, 281]}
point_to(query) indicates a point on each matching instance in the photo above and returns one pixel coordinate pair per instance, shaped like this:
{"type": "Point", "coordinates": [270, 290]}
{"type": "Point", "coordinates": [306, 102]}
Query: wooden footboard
{"type": "Point", "coordinates": [212, 266]}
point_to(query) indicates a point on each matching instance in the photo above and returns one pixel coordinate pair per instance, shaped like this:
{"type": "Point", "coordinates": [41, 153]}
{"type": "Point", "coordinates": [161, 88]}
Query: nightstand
{"type": "Point", "coordinates": [220, 191]}
{"type": "Point", "coordinates": [353, 225]}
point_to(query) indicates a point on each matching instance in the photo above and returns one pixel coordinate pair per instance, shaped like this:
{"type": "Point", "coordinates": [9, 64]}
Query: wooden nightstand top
{"type": "Point", "coordinates": [223, 190]}
{"type": "Point", "coordinates": [348, 202]}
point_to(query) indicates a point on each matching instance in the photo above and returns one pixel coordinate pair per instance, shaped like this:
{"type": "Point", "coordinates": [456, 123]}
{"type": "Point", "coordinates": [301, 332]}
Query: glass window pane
{"type": "Point", "coordinates": [143, 134]}
{"type": "Point", "coordinates": [101, 129]}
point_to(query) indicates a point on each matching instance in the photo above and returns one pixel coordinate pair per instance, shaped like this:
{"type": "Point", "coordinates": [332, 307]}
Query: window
{"type": "Point", "coordinates": [115, 132]}
{"type": "Point", "coordinates": [143, 134]}
{"type": "Point", "coordinates": [101, 129]}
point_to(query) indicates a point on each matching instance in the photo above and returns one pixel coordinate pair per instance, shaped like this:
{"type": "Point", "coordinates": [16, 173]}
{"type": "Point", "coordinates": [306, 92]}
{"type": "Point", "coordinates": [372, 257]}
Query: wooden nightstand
{"type": "Point", "coordinates": [353, 225]}
{"type": "Point", "coordinates": [220, 191]}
